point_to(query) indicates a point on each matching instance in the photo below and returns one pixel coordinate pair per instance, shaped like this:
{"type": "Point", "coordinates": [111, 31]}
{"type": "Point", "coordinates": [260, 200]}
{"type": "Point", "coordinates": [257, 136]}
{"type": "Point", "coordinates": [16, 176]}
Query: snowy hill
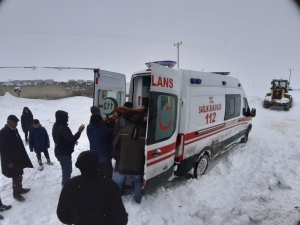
{"type": "Point", "coordinates": [257, 181]}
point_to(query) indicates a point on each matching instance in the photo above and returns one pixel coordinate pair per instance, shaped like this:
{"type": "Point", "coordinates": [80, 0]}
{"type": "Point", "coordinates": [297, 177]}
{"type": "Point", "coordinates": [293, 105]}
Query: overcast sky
{"type": "Point", "coordinates": [254, 40]}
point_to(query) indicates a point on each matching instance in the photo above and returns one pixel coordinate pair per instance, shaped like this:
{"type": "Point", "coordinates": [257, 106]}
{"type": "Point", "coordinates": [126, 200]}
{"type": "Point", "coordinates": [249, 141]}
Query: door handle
{"type": "Point", "coordinates": [156, 153]}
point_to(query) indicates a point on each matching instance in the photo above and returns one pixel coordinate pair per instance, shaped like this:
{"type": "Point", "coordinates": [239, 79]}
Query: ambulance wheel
{"type": "Point", "coordinates": [201, 166]}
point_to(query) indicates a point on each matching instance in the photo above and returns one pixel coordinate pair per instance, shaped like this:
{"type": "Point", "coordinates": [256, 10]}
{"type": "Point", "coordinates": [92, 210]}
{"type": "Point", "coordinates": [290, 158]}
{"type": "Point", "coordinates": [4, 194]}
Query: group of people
{"type": "Point", "coordinates": [94, 196]}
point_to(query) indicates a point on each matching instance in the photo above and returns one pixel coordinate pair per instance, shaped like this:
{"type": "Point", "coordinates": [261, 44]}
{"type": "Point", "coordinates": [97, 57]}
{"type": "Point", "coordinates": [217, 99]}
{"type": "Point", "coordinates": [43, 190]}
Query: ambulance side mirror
{"type": "Point", "coordinates": [253, 112]}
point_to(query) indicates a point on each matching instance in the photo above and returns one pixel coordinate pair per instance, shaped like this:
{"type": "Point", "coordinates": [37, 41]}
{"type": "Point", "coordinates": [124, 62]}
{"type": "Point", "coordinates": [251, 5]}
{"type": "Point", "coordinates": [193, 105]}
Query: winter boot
{"type": "Point", "coordinates": [4, 207]}
{"type": "Point", "coordinates": [49, 162]}
{"type": "Point", "coordinates": [19, 197]}
{"type": "Point", "coordinates": [40, 165]}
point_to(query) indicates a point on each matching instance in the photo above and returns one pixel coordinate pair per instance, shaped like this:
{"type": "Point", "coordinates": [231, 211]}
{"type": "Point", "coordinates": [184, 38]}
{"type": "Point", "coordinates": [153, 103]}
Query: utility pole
{"type": "Point", "coordinates": [177, 45]}
{"type": "Point", "coordinates": [290, 75]}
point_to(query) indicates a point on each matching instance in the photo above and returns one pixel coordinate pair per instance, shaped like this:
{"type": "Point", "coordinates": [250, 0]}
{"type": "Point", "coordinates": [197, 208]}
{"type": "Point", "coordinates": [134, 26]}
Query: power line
{"type": "Point", "coordinates": [47, 67]}
{"type": "Point", "coordinates": [76, 33]}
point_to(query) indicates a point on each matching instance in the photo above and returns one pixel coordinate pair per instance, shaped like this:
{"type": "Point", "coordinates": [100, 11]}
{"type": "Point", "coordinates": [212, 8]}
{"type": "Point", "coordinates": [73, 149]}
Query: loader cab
{"type": "Point", "coordinates": [283, 84]}
{"type": "Point", "coordinates": [279, 88]}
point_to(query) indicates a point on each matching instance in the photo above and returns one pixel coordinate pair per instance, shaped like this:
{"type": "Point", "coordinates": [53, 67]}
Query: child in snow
{"type": "Point", "coordinates": [26, 122]}
{"type": "Point", "coordinates": [39, 142]}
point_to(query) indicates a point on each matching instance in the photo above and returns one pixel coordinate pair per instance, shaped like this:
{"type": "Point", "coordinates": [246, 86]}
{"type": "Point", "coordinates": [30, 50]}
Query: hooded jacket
{"type": "Point", "coordinates": [63, 138]}
{"type": "Point", "coordinates": [13, 151]}
{"type": "Point", "coordinates": [89, 199]}
{"type": "Point", "coordinates": [26, 119]}
{"type": "Point", "coordinates": [131, 144]}
{"type": "Point", "coordinates": [38, 139]}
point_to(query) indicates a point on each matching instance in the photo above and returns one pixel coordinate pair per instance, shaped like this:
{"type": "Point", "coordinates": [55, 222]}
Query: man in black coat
{"type": "Point", "coordinates": [14, 157]}
{"type": "Point", "coordinates": [90, 199]}
{"type": "Point", "coordinates": [64, 143]}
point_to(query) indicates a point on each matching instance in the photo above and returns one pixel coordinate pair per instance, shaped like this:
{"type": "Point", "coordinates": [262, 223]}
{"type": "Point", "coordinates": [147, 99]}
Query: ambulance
{"type": "Point", "coordinates": [192, 118]}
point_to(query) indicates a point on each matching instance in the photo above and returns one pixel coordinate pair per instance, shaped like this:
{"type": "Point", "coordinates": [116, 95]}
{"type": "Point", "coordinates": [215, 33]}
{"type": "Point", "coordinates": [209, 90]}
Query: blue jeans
{"type": "Point", "coordinates": [66, 167]}
{"type": "Point", "coordinates": [120, 178]}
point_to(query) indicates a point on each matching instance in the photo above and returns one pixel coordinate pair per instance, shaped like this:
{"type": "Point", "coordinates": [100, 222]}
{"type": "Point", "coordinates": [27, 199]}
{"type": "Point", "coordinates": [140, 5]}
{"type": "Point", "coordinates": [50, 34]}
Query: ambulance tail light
{"type": "Point", "coordinates": [179, 147]}
{"type": "Point", "coordinates": [96, 75]}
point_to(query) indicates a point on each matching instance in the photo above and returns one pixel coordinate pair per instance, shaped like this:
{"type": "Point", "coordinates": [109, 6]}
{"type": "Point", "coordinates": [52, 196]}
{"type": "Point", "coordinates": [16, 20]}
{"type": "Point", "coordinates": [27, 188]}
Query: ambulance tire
{"type": "Point", "coordinates": [201, 166]}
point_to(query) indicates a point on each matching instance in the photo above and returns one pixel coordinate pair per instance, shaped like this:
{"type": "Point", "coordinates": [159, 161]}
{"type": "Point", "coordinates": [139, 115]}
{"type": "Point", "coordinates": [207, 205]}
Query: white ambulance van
{"type": "Point", "coordinates": [192, 118]}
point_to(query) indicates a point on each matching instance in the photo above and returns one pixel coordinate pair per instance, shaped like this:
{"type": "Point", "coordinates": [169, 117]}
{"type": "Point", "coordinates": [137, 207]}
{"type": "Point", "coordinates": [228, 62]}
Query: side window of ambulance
{"type": "Point", "coordinates": [162, 117]}
{"type": "Point", "coordinates": [233, 106]}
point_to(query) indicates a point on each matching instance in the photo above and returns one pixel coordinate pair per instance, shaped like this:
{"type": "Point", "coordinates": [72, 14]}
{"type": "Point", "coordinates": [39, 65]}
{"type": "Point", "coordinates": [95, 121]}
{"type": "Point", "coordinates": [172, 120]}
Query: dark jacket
{"type": "Point", "coordinates": [89, 199]}
{"type": "Point", "coordinates": [131, 149]}
{"type": "Point", "coordinates": [100, 138]}
{"type": "Point", "coordinates": [38, 139]}
{"type": "Point", "coordinates": [120, 124]}
{"type": "Point", "coordinates": [63, 138]}
{"type": "Point", "coordinates": [13, 151]}
{"type": "Point", "coordinates": [26, 119]}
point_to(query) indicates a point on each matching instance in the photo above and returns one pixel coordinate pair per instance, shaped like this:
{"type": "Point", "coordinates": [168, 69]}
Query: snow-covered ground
{"type": "Point", "coordinates": [254, 183]}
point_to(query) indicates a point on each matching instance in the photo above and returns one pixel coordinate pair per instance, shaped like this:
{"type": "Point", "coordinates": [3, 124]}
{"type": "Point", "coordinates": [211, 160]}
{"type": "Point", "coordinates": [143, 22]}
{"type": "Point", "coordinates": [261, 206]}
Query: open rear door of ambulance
{"type": "Point", "coordinates": [162, 126]}
{"type": "Point", "coordinates": [109, 91]}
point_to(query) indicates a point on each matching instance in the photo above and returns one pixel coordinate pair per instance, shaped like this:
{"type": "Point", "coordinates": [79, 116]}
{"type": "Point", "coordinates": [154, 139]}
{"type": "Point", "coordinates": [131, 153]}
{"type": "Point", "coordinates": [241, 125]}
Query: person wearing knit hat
{"type": "Point", "coordinates": [89, 198]}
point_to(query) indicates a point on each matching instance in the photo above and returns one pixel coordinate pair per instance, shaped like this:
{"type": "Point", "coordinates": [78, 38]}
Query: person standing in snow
{"type": "Point", "coordinates": [89, 199]}
{"type": "Point", "coordinates": [100, 138]}
{"type": "Point", "coordinates": [3, 208]}
{"type": "Point", "coordinates": [14, 157]}
{"type": "Point", "coordinates": [131, 162]}
{"type": "Point", "coordinates": [26, 122]}
{"type": "Point", "coordinates": [39, 142]}
{"type": "Point", "coordinates": [64, 143]}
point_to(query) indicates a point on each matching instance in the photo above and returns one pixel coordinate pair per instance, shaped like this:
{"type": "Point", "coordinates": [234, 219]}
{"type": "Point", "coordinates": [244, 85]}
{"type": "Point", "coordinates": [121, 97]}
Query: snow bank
{"type": "Point", "coordinates": [244, 187]}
